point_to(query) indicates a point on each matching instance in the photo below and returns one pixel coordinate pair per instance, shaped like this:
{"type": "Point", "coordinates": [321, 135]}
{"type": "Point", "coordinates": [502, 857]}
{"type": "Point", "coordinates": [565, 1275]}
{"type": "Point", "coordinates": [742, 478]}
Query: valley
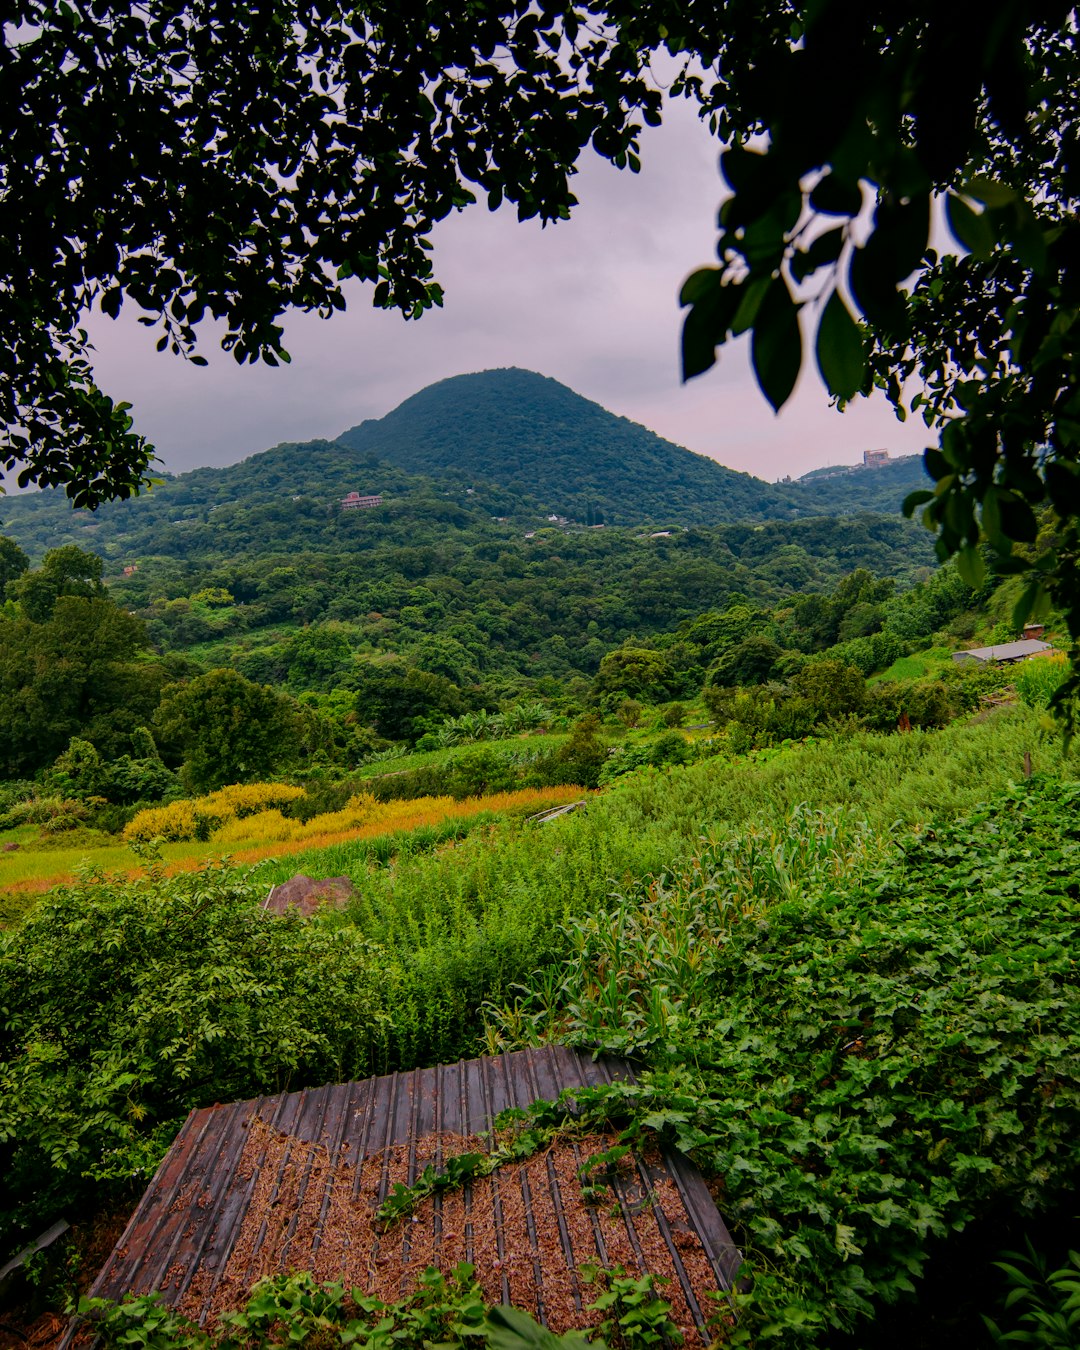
{"type": "Point", "coordinates": [612, 749]}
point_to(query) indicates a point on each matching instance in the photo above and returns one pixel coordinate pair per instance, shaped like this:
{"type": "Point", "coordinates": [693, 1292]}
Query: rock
{"type": "Point", "coordinates": [307, 895]}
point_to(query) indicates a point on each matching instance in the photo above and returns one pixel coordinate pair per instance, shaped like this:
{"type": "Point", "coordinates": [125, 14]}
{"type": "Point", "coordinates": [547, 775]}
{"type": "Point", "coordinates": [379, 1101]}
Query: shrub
{"type": "Point", "coordinates": [177, 821]}
{"type": "Point", "coordinates": [925, 703]}
{"type": "Point", "coordinates": [670, 748]}
{"type": "Point", "coordinates": [629, 712]}
{"type": "Point", "coordinates": [127, 1003]}
{"type": "Point", "coordinates": [832, 687]}
{"type": "Point", "coordinates": [200, 818]}
{"type": "Point", "coordinates": [270, 826]}
{"type": "Point", "coordinates": [44, 810]}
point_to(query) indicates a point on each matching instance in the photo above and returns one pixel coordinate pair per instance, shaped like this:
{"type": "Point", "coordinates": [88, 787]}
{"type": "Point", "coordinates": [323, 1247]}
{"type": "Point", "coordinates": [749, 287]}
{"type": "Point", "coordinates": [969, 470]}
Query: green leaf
{"type": "Point", "coordinates": [713, 307]}
{"type": "Point", "coordinates": [698, 285]}
{"type": "Point", "coordinates": [835, 197]}
{"type": "Point", "coordinates": [825, 249]}
{"type": "Point", "coordinates": [970, 565]}
{"type": "Point", "coordinates": [989, 191]}
{"type": "Point", "coordinates": [776, 345]}
{"type": "Point", "coordinates": [511, 1329]}
{"type": "Point", "coordinates": [841, 352]}
{"type": "Point", "coordinates": [972, 229]}
{"type": "Point", "coordinates": [1031, 597]}
{"type": "Point", "coordinates": [916, 499]}
{"type": "Point", "coordinates": [751, 294]}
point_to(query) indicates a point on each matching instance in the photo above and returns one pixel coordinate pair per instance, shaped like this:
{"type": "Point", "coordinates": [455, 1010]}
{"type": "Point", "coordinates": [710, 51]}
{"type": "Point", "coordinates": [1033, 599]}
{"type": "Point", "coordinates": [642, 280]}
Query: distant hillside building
{"type": "Point", "coordinates": [355, 501]}
{"type": "Point", "coordinates": [874, 459]}
{"type": "Point", "coordinates": [1004, 654]}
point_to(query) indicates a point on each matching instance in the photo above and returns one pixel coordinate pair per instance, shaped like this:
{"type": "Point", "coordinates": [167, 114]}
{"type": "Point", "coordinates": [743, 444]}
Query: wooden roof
{"type": "Point", "coordinates": [292, 1182]}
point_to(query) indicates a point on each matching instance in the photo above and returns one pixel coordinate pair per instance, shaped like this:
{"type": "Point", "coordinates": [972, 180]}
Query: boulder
{"type": "Point", "coordinates": [307, 894]}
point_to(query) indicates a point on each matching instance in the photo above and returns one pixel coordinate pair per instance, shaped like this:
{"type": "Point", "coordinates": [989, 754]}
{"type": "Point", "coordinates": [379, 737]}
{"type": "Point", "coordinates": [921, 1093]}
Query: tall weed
{"type": "Point", "coordinates": [1037, 681]}
{"type": "Point", "coordinates": [638, 968]}
{"type": "Point", "coordinates": [871, 1048]}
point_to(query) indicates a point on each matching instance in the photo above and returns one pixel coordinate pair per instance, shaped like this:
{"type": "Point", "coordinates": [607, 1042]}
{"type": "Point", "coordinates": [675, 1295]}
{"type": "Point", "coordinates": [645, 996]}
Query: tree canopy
{"type": "Point", "coordinates": [870, 113]}
{"type": "Point", "coordinates": [214, 159]}
{"type": "Point", "coordinates": [234, 161]}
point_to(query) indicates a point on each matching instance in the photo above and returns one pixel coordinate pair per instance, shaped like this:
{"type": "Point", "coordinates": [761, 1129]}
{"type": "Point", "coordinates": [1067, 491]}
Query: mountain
{"type": "Point", "coordinates": [284, 498]}
{"type": "Point", "coordinates": [498, 449]}
{"type": "Point", "coordinates": [531, 435]}
{"type": "Point", "coordinates": [846, 489]}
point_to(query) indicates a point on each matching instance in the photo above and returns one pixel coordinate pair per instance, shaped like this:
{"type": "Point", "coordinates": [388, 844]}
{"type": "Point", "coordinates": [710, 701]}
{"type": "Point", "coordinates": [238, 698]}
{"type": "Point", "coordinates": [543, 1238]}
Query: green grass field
{"type": "Point", "coordinates": [917, 666]}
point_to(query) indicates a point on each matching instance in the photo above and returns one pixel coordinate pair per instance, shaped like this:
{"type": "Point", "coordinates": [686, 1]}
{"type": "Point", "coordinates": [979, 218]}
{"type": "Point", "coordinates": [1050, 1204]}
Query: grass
{"type": "Point", "coordinates": [33, 873]}
{"type": "Point", "coordinates": [917, 666]}
{"type": "Point", "coordinates": [534, 742]}
{"type": "Point", "coordinates": [766, 958]}
{"type": "Point", "coordinates": [889, 779]}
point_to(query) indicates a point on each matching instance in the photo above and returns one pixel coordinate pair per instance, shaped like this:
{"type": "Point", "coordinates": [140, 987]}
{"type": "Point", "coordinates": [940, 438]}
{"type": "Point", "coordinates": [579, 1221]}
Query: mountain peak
{"type": "Point", "coordinates": [529, 433]}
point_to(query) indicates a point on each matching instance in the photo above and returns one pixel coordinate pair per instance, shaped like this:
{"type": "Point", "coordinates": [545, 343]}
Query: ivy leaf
{"type": "Point", "coordinates": [776, 345]}
{"type": "Point", "coordinates": [841, 353]}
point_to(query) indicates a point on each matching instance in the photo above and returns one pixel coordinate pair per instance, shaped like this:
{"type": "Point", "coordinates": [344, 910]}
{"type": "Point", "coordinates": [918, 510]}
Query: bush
{"type": "Point", "coordinates": [198, 819]}
{"type": "Point", "coordinates": [871, 1052]}
{"type": "Point", "coordinates": [177, 821]}
{"type": "Point", "coordinates": [583, 754]}
{"type": "Point", "coordinates": [44, 810]}
{"type": "Point", "coordinates": [629, 712]}
{"type": "Point", "coordinates": [833, 687]}
{"type": "Point", "coordinates": [14, 792]}
{"type": "Point", "coordinates": [925, 703]}
{"type": "Point", "coordinates": [127, 1003]}
{"type": "Point", "coordinates": [81, 772]}
{"type": "Point", "coordinates": [671, 748]}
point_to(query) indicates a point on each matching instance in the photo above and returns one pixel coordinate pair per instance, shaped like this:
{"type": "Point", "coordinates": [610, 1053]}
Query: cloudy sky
{"type": "Point", "coordinates": [591, 302]}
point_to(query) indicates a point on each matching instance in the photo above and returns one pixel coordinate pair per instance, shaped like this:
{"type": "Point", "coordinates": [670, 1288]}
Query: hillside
{"type": "Point", "coordinates": [847, 489]}
{"type": "Point", "coordinates": [536, 437]}
{"type": "Point", "coordinates": [284, 498]}
{"type": "Point", "coordinates": [505, 444]}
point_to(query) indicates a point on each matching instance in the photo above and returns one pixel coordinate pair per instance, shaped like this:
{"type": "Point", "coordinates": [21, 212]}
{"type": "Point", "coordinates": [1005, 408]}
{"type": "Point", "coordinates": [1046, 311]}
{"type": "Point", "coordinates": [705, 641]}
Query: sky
{"type": "Point", "coordinates": [592, 302]}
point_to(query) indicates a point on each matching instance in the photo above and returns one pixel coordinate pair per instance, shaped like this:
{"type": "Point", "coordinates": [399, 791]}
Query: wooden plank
{"type": "Point", "coordinates": [193, 1213]}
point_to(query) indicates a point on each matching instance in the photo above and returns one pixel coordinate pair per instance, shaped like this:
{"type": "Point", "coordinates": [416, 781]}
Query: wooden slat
{"type": "Point", "coordinates": [188, 1222]}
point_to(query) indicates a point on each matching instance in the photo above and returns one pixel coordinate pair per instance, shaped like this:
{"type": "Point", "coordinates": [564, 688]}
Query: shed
{"type": "Point", "coordinates": [292, 1181]}
{"type": "Point", "coordinates": [1004, 653]}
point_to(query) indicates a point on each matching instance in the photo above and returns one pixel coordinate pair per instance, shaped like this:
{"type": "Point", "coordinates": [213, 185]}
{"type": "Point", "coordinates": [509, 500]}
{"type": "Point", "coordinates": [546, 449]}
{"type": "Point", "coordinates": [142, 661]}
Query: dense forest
{"type": "Point", "coordinates": [467, 453]}
{"type": "Point", "coordinates": [459, 619]}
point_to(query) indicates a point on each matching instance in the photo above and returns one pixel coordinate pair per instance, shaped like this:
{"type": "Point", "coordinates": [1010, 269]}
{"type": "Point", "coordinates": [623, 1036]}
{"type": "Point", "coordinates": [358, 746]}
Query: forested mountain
{"type": "Point", "coordinates": [848, 489]}
{"type": "Point", "coordinates": [496, 447]}
{"type": "Point", "coordinates": [285, 498]}
{"type": "Point", "coordinates": [472, 600]}
{"type": "Point", "coordinates": [537, 437]}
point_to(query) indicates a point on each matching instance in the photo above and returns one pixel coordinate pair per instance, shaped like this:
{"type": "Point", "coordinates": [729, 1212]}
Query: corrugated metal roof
{"type": "Point", "coordinates": [1004, 651]}
{"type": "Point", "coordinates": [292, 1182]}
